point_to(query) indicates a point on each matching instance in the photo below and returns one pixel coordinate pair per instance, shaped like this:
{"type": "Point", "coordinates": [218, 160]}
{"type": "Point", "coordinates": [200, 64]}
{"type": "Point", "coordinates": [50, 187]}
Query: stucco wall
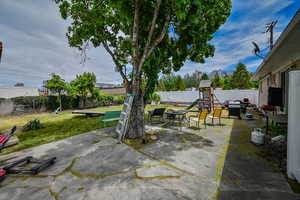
{"type": "Point", "coordinates": [273, 80]}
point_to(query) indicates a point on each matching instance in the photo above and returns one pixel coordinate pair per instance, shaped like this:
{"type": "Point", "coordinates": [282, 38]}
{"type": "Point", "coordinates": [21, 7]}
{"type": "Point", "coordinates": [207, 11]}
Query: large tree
{"type": "Point", "coordinates": [241, 77]}
{"type": "Point", "coordinates": [204, 76]}
{"type": "Point", "coordinates": [193, 80]}
{"type": "Point", "coordinates": [57, 85]}
{"type": "Point", "coordinates": [217, 82]}
{"type": "Point", "coordinates": [149, 35]}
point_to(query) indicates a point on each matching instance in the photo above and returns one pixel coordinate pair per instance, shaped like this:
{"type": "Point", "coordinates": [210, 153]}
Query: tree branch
{"type": "Point", "coordinates": [118, 65]}
{"type": "Point", "coordinates": [159, 38]}
{"type": "Point", "coordinates": [155, 15]}
{"type": "Point", "coordinates": [135, 31]}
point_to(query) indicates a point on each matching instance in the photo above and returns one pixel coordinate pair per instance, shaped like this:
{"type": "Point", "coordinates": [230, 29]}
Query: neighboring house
{"type": "Point", "coordinates": [11, 91]}
{"type": "Point", "coordinates": [283, 58]}
{"type": "Point", "coordinates": [107, 88]}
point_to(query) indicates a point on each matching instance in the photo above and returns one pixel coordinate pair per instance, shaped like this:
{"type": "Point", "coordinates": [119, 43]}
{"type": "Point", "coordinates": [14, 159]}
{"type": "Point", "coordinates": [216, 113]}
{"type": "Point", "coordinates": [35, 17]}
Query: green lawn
{"type": "Point", "coordinates": [56, 127]}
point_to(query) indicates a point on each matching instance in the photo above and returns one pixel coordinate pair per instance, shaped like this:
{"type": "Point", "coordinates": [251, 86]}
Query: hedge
{"type": "Point", "coordinates": [50, 103]}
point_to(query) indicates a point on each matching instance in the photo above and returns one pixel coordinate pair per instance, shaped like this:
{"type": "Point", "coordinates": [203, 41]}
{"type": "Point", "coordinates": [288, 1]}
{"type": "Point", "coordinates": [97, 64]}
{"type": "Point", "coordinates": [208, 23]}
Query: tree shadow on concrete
{"type": "Point", "coordinates": [172, 141]}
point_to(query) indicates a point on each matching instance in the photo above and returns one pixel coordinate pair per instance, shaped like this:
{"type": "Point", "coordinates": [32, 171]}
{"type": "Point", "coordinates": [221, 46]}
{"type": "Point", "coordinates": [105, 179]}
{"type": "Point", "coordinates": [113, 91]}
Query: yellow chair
{"type": "Point", "coordinates": [201, 117]}
{"type": "Point", "coordinates": [216, 115]}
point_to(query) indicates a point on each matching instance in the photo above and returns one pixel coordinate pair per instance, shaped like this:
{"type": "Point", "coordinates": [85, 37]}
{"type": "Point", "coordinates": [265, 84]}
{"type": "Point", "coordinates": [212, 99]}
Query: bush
{"type": "Point", "coordinates": [30, 102]}
{"type": "Point", "coordinates": [105, 100]}
{"type": "Point", "coordinates": [154, 97]}
{"type": "Point", "coordinates": [33, 125]}
{"type": "Point", "coordinates": [50, 103]}
{"type": "Point", "coordinates": [41, 103]}
{"type": "Point", "coordinates": [118, 99]}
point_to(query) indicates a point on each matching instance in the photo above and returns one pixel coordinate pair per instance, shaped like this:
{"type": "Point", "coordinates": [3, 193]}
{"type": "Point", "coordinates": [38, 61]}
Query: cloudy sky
{"type": "Point", "coordinates": [35, 45]}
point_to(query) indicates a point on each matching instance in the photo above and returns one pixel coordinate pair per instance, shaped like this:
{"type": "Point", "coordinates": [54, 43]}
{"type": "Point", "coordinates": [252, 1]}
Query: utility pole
{"type": "Point", "coordinates": [270, 29]}
{"type": "Point", "coordinates": [1, 49]}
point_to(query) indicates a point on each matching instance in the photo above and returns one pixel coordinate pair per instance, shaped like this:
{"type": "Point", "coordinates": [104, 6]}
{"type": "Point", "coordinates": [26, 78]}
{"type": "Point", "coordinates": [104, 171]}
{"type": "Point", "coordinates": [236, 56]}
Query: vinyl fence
{"type": "Point", "coordinates": [222, 96]}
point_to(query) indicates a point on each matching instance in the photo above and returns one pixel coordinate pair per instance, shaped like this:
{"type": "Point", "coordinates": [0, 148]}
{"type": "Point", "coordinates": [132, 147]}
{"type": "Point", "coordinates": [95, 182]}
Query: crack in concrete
{"type": "Point", "coordinates": [165, 163]}
{"type": "Point", "coordinates": [154, 177]}
{"type": "Point", "coordinates": [97, 176]}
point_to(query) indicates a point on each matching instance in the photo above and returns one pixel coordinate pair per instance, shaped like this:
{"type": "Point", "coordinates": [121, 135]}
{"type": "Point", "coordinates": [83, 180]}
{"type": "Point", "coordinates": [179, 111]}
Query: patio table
{"type": "Point", "coordinates": [177, 115]}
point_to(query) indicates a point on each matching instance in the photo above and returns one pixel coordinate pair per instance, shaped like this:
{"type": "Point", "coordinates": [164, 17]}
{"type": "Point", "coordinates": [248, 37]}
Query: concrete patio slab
{"type": "Point", "coordinates": [248, 176]}
{"type": "Point", "coordinates": [185, 164]}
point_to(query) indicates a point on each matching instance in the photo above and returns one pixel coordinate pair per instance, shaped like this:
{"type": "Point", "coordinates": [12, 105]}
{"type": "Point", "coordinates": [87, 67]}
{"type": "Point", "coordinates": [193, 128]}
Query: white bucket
{"type": "Point", "coordinates": [257, 137]}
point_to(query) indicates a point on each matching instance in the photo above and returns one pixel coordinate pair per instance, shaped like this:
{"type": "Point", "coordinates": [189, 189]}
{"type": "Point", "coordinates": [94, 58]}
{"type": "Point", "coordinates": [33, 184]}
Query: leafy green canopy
{"type": "Point", "coordinates": [171, 82]}
{"type": "Point", "coordinates": [152, 35]}
{"type": "Point", "coordinates": [83, 85]}
{"type": "Point", "coordinates": [217, 82]}
{"type": "Point", "coordinates": [193, 80]}
{"type": "Point", "coordinates": [56, 84]}
{"type": "Point", "coordinates": [240, 79]}
{"type": "Point", "coordinates": [204, 77]}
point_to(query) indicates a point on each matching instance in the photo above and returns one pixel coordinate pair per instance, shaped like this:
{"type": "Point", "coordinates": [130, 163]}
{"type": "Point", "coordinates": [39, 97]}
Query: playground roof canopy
{"type": "Point", "coordinates": [205, 84]}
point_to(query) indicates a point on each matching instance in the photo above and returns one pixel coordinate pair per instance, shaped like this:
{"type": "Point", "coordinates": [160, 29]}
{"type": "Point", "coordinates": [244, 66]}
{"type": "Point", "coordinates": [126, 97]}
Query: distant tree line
{"type": "Point", "coordinates": [240, 79]}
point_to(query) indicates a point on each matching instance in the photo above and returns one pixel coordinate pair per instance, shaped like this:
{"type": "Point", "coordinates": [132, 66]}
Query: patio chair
{"type": "Point", "coordinates": [216, 115]}
{"type": "Point", "coordinates": [156, 113]}
{"type": "Point", "coordinates": [201, 117]}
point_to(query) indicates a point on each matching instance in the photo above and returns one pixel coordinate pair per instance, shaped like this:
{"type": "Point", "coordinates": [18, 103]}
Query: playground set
{"type": "Point", "coordinates": [207, 99]}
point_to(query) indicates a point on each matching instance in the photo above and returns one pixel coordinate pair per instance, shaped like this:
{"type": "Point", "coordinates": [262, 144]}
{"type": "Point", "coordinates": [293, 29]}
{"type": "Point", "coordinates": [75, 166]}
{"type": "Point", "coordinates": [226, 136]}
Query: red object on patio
{"type": "Point", "coordinates": [2, 172]}
{"type": "Point", "coordinates": [267, 107]}
{"type": "Point", "coordinates": [3, 139]}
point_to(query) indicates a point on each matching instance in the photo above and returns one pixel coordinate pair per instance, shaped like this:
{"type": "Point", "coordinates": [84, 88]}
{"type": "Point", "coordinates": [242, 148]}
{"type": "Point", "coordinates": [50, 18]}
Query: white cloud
{"type": "Point", "coordinates": [35, 44]}
{"type": "Point", "coordinates": [245, 25]}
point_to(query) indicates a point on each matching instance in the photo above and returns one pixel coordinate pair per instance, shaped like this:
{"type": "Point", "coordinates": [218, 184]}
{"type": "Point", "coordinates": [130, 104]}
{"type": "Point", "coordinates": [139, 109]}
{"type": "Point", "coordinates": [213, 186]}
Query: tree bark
{"type": "Point", "coordinates": [136, 121]}
{"type": "Point", "coordinates": [136, 125]}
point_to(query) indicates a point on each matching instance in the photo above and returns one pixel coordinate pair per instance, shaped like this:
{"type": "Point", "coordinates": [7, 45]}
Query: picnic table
{"type": "Point", "coordinates": [88, 113]}
{"type": "Point", "coordinates": [177, 116]}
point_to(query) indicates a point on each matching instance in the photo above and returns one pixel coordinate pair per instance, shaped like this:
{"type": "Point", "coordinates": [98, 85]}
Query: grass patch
{"type": "Point", "coordinates": [54, 131]}
{"type": "Point", "coordinates": [139, 143]}
{"type": "Point", "coordinates": [56, 127]}
{"type": "Point", "coordinates": [294, 185]}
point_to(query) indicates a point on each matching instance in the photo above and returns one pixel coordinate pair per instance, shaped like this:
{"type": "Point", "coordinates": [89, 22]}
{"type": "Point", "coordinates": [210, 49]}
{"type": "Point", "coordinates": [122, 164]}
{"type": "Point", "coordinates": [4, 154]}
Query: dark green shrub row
{"type": "Point", "coordinates": [50, 103]}
{"type": "Point", "coordinates": [118, 99]}
{"type": "Point", "coordinates": [104, 100]}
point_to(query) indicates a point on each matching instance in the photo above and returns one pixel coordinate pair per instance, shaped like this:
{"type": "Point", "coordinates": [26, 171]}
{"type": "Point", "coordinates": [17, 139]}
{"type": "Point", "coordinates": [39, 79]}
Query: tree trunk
{"type": "Point", "coordinates": [136, 123]}
{"type": "Point", "coordinates": [59, 99]}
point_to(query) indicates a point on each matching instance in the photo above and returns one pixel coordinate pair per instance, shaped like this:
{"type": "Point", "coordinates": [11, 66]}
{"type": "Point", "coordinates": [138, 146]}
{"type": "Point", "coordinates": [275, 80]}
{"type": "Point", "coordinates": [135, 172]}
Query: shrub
{"type": "Point", "coordinates": [50, 103]}
{"type": "Point", "coordinates": [33, 125]}
{"type": "Point", "coordinates": [154, 97]}
{"type": "Point", "coordinates": [277, 130]}
{"type": "Point", "coordinates": [105, 100]}
{"type": "Point", "coordinates": [118, 99]}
